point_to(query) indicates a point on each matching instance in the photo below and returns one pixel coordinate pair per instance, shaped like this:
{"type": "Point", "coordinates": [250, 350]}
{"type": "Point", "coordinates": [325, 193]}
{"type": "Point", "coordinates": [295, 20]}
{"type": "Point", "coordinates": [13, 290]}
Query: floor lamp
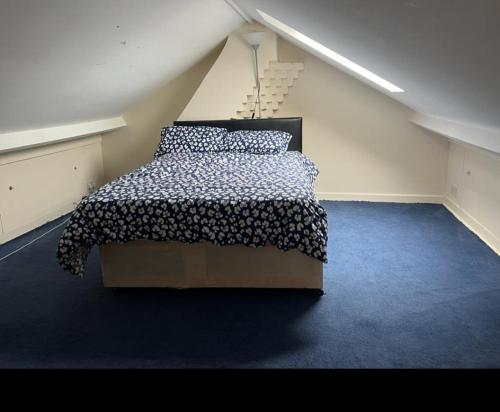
{"type": "Point", "coordinates": [254, 39]}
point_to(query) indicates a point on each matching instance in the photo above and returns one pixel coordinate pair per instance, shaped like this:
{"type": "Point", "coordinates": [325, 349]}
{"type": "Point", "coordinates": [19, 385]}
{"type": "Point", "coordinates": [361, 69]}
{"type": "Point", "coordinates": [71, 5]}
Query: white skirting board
{"type": "Point", "coordinates": [380, 197]}
{"type": "Point", "coordinates": [462, 215]}
{"type": "Point", "coordinates": [470, 222]}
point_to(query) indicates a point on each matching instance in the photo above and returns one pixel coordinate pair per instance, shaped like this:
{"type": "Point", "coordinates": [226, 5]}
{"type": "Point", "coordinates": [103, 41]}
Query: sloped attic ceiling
{"type": "Point", "coordinates": [444, 53]}
{"type": "Point", "coordinates": [68, 61]}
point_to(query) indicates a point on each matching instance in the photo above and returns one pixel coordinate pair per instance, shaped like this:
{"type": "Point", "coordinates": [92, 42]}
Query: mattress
{"type": "Point", "coordinates": [224, 198]}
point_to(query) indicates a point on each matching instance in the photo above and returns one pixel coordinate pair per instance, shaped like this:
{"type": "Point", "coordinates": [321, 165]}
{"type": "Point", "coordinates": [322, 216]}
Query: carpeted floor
{"type": "Point", "coordinates": [407, 286]}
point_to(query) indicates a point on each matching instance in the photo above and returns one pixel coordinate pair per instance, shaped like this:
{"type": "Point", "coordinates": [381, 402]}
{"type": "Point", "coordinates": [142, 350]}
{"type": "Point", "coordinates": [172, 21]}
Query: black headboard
{"type": "Point", "coordinates": [292, 125]}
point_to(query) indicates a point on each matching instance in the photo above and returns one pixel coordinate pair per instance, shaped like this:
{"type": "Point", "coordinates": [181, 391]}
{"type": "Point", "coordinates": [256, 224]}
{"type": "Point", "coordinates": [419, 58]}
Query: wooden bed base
{"type": "Point", "coordinates": [204, 265]}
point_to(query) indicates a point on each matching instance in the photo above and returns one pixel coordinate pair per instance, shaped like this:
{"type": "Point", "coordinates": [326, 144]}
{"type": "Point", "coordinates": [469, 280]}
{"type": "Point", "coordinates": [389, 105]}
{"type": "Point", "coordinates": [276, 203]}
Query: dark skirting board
{"type": "Point", "coordinates": [292, 125]}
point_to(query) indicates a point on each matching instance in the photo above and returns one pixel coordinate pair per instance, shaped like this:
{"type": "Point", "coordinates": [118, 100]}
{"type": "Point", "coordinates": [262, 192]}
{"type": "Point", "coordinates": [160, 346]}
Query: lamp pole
{"type": "Point", "coordinates": [257, 81]}
{"type": "Point", "coordinates": [254, 39]}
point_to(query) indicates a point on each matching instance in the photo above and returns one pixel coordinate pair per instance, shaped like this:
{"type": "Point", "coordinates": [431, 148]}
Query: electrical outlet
{"type": "Point", "coordinates": [454, 191]}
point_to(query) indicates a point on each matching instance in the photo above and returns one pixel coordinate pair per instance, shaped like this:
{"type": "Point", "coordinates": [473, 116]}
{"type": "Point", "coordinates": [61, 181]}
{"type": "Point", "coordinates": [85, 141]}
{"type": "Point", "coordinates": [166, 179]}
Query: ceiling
{"type": "Point", "coordinates": [444, 53]}
{"type": "Point", "coordinates": [69, 61]}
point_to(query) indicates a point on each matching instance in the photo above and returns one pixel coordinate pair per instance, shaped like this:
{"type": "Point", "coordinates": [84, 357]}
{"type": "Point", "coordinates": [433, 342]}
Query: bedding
{"type": "Point", "coordinates": [224, 198]}
{"type": "Point", "coordinates": [176, 139]}
{"type": "Point", "coordinates": [257, 141]}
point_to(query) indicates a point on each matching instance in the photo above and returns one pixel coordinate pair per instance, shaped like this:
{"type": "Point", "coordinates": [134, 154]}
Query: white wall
{"type": "Point", "coordinates": [43, 183]}
{"type": "Point", "coordinates": [231, 78]}
{"type": "Point", "coordinates": [473, 190]}
{"type": "Point", "coordinates": [362, 141]}
{"type": "Point", "coordinates": [130, 147]}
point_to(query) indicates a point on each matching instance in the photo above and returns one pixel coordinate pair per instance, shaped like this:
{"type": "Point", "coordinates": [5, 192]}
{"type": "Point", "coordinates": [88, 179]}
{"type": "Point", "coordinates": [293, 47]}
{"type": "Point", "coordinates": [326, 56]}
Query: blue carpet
{"type": "Point", "coordinates": [407, 286]}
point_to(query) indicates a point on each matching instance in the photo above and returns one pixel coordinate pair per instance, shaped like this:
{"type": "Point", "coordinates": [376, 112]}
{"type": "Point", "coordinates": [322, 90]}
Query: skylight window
{"type": "Point", "coordinates": [356, 68]}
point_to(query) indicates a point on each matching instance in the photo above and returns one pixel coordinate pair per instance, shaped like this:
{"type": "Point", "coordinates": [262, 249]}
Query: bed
{"type": "Point", "coordinates": [207, 220]}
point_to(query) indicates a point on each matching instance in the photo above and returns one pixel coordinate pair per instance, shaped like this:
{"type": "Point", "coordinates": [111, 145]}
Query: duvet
{"type": "Point", "coordinates": [224, 198]}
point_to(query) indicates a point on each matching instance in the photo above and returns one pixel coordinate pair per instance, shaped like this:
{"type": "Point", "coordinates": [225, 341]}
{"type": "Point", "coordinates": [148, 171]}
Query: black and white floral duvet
{"type": "Point", "coordinates": [224, 198]}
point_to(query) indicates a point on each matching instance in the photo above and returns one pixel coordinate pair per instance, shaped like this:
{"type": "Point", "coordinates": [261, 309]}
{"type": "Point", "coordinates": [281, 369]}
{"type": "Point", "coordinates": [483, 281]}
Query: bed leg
{"type": "Point", "coordinates": [319, 292]}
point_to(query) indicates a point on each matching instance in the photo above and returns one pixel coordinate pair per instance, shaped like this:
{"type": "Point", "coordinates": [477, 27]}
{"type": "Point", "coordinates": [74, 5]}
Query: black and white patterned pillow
{"type": "Point", "coordinates": [257, 141]}
{"type": "Point", "coordinates": [181, 139]}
